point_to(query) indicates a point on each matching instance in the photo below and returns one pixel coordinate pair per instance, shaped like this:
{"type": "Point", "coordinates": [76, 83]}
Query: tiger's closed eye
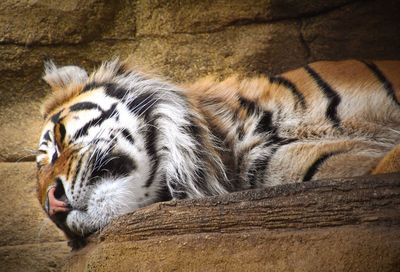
{"type": "Point", "coordinates": [59, 135]}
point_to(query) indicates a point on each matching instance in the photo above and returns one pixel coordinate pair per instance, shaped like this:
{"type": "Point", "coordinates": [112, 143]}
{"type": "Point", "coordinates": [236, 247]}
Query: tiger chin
{"type": "Point", "coordinates": [119, 139]}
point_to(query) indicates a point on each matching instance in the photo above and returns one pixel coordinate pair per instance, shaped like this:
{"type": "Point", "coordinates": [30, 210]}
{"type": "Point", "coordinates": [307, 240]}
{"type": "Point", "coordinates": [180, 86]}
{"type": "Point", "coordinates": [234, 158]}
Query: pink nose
{"type": "Point", "coordinates": [55, 205]}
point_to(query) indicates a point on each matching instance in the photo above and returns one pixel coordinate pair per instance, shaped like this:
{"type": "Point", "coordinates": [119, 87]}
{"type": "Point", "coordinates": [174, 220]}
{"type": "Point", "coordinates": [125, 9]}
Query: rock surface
{"type": "Point", "coordinates": [182, 40]}
{"type": "Point", "coordinates": [346, 225]}
{"type": "Point", "coordinates": [29, 240]}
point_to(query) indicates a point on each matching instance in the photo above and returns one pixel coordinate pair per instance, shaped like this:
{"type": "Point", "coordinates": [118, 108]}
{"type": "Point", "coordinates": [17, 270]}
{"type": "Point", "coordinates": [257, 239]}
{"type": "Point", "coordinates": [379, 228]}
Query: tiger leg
{"type": "Point", "coordinates": [390, 163]}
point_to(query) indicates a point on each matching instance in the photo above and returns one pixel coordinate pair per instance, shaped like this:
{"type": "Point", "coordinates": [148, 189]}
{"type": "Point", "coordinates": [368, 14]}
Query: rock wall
{"type": "Point", "coordinates": [182, 40]}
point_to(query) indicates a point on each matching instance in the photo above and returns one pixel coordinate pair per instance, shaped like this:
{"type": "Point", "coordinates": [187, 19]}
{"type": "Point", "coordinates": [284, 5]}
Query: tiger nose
{"type": "Point", "coordinates": [57, 199]}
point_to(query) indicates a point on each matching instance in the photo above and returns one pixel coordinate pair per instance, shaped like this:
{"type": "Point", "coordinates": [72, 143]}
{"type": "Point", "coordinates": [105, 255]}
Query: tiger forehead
{"type": "Point", "coordinates": [83, 101]}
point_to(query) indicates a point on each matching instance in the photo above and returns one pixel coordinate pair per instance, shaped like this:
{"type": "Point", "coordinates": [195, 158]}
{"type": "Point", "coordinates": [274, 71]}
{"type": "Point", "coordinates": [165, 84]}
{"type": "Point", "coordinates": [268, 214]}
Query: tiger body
{"type": "Point", "coordinates": [120, 140]}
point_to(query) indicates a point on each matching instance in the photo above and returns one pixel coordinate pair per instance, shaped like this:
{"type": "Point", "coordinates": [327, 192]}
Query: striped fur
{"type": "Point", "coordinates": [119, 140]}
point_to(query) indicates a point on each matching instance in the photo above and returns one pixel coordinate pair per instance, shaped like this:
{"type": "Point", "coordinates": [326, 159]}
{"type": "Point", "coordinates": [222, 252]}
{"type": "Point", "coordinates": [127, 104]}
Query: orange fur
{"type": "Point", "coordinates": [59, 98]}
{"type": "Point", "coordinates": [390, 163]}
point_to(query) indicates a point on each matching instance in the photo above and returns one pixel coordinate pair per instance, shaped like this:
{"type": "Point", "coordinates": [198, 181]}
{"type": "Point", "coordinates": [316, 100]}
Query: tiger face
{"type": "Point", "coordinates": [100, 148]}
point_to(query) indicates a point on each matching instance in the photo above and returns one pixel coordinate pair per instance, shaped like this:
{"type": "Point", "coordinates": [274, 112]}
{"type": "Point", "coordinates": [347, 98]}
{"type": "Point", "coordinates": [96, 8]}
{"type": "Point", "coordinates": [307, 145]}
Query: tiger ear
{"type": "Point", "coordinates": [62, 77]}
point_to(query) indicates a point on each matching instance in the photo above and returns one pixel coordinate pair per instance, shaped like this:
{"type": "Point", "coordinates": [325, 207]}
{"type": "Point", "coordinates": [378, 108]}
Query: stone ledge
{"type": "Point", "coordinates": [344, 224]}
{"type": "Point", "coordinates": [48, 256]}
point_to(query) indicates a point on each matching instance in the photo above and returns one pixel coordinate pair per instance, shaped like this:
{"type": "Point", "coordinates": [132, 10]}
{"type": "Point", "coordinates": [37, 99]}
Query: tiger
{"type": "Point", "coordinates": [120, 139]}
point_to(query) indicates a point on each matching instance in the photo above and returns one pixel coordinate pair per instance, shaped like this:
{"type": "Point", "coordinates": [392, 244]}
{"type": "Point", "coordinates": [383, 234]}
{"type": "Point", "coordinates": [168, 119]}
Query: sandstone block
{"type": "Point", "coordinates": [159, 17]}
{"type": "Point", "coordinates": [363, 30]}
{"type": "Point", "coordinates": [33, 257]}
{"type": "Point", "coordinates": [67, 22]}
{"type": "Point", "coordinates": [23, 220]}
{"type": "Point", "coordinates": [186, 57]}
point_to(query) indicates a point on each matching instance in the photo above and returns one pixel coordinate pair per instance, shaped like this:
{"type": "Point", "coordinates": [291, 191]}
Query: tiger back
{"type": "Point", "coordinates": [327, 119]}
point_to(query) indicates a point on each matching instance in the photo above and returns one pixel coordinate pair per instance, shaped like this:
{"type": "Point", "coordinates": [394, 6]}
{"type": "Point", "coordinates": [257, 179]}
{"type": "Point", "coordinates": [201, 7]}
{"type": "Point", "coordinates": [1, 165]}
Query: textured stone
{"type": "Point", "coordinates": [161, 17]}
{"type": "Point", "coordinates": [29, 241]}
{"type": "Point", "coordinates": [67, 22]}
{"type": "Point", "coordinates": [186, 57]}
{"type": "Point", "coordinates": [33, 257]}
{"type": "Point", "coordinates": [337, 225]}
{"type": "Point", "coordinates": [23, 220]}
{"type": "Point", "coordinates": [359, 30]}
{"type": "Point", "coordinates": [330, 249]}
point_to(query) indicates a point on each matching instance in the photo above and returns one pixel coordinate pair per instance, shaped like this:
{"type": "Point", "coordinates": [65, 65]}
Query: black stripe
{"type": "Point", "coordinates": [333, 97]}
{"type": "Point", "coordinates": [257, 170]}
{"type": "Point", "coordinates": [56, 117]}
{"type": "Point", "coordinates": [96, 121]}
{"type": "Point", "coordinates": [163, 193]}
{"type": "Point", "coordinates": [91, 86]}
{"type": "Point", "coordinates": [128, 136]}
{"type": "Point", "coordinates": [387, 85]}
{"type": "Point", "coordinates": [71, 160]}
{"type": "Point", "coordinates": [151, 139]}
{"type": "Point", "coordinates": [299, 97]}
{"type": "Point", "coordinates": [312, 170]}
{"type": "Point", "coordinates": [46, 136]}
{"type": "Point", "coordinates": [115, 165]}
{"type": "Point", "coordinates": [250, 106]}
{"type": "Point", "coordinates": [194, 131]}
{"type": "Point", "coordinates": [241, 132]}
{"type": "Point", "coordinates": [62, 133]}
{"type": "Point", "coordinates": [54, 157]}
{"type": "Point", "coordinates": [265, 123]}
{"type": "Point", "coordinates": [84, 106]}
{"type": "Point", "coordinates": [88, 169]}
{"type": "Point", "coordinates": [142, 104]}
{"type": "Point", "coordinates": [259, 166]}
{"type": "Point", "coordinates": [115, 91]}
{"type": "Point", "coordinates": [78, 168]}
{"type": "Point", "coordinates": [200, 175]}
{"type": "Point", "coordinates": [273, 141]}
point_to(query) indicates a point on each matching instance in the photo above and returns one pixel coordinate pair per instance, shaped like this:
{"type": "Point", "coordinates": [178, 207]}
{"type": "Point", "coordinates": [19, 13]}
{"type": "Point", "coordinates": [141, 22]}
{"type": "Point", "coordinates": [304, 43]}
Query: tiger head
{"type": "Point", "coordinates": [115, 141]}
